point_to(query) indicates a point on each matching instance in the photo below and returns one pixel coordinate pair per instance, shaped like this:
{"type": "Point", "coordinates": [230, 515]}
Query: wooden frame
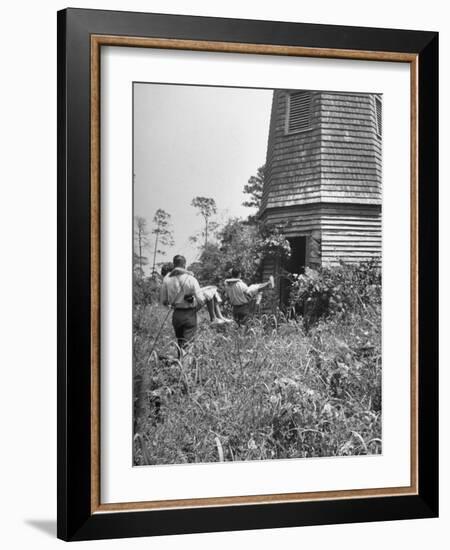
{"type": "Point", "coordinates": [81, 34]}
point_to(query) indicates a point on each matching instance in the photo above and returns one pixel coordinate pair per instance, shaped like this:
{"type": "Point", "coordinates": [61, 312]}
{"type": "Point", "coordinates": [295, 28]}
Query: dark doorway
{"type": "Point", "coordinates": [295, 264]}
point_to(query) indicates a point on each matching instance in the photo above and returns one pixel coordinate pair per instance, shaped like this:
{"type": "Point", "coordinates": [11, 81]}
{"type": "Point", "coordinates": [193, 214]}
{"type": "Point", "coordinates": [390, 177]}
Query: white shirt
{"type": "Point", "coordinates": [237, 292]}
{"type": "Point", "coordinates": [177, 285]}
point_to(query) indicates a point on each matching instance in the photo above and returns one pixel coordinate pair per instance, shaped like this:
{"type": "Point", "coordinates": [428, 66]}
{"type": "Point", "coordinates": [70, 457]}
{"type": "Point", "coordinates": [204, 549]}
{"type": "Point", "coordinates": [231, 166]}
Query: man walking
{"type": "Point", "coordinates": [241, 296]}
{"type": "Point", "coordinates": [181, 291]}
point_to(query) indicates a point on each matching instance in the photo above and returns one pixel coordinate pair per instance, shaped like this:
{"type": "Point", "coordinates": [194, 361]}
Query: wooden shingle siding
{"type": "Point", "coordinates": [292, 157]}
{"type": "Point", "coordinates": [353, 175]}
{"type": "Point", "coordinates": [325, 182]}
{"type": "Point", "coordinates": [345, 233]}
{"type": "Point", "coordinates": [351, 236]}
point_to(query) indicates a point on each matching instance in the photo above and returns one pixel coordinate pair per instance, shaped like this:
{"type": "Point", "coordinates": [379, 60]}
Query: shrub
{"type": "Point", "coordinates": [243, 244]}
{"type": "Point", "coordinates": [146, 290]}
{"type": "Point", "coordinates": [336, 291]}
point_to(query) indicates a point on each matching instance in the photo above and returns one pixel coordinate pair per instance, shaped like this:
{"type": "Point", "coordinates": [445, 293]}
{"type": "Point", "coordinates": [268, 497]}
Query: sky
{"type": "Point", "coordinates": [196, 141]}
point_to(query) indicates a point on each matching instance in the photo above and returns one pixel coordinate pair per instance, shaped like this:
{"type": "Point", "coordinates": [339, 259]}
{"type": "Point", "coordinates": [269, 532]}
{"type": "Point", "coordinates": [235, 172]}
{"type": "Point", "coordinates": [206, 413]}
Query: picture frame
{"type": "Point", "coordinates": [81, 35]}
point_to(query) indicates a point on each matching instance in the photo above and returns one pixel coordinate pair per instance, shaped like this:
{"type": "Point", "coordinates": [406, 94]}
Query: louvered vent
{"type": "Point", "coordinates": [378, 115]}
{"type": "Point", "coordinates": [299, 113]}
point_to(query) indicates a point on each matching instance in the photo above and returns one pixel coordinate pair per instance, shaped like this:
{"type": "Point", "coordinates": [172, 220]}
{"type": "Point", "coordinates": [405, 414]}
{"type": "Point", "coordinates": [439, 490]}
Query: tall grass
{"type": "Point", "coordinates": [266, 391]}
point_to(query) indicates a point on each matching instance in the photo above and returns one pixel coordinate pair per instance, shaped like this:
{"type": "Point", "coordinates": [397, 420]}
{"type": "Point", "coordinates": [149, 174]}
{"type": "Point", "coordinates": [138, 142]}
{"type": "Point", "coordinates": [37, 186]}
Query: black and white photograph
{"type": "Point", "coordinates": [256, 274]}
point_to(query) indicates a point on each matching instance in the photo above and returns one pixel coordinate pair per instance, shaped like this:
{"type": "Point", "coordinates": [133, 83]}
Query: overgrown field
{"type": "Point", "coordinates": [271, 390]}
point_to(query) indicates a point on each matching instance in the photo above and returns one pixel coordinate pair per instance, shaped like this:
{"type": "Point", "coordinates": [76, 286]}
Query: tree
{"type": "Point", "coordinates": [163, 233]}
{"type": "Point", "coordinates": [141, 242]}
{"type": "Point", "coordinates": [207, 208]}
{"type": "Point", "coordinates": [240, 247]}
{"type": "Point", "coordinates": [239, 244]}
{"type": "Point", "coordinates": [243, 245]}
{"type": "Point", "coordinates": [209, 267]}
{"type": "Point", "coordinates": [254, 188]}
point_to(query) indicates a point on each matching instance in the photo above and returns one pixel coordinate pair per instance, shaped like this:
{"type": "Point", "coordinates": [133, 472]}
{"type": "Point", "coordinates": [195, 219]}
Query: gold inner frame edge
{"type": "Point", "coordinates": [97, 41]}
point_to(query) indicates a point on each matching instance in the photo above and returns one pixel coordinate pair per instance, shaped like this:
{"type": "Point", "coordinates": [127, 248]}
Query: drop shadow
{"type": "Point", "coordinates": [47, 526]}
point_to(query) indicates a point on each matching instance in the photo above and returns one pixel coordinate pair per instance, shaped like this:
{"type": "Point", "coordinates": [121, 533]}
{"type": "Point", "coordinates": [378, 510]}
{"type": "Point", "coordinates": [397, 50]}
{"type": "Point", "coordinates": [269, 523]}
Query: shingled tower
{"type": "Point", "coordinates": [323, 176]}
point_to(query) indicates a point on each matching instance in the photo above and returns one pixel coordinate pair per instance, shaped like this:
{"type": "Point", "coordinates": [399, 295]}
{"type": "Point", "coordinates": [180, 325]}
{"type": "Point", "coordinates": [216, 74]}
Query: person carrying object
{"type": "Point", "coordinates": [181, 291]}
{"type": "Point", "coordinates": [241, 295]}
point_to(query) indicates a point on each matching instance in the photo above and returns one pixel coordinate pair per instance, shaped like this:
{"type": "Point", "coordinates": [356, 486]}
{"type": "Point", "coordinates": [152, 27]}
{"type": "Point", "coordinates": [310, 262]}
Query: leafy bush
{"type": "Point", "coordinates": [336, 291]}
{"type": "Point", "coordinates": [240, 244]}
{"type": "Point", "coordinates": [146, 290]}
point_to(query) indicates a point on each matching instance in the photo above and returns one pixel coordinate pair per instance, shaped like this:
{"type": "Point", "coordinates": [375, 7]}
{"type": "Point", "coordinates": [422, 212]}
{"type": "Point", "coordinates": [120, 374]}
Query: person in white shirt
{"type": "Point", "coordinates": [181, 291]}
{"type": "Point", "coordinates": [241, 295]}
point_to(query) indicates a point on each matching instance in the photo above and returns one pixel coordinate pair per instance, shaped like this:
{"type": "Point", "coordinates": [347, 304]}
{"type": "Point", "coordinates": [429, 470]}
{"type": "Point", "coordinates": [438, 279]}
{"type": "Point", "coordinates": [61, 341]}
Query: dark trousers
{"type": "Point", "coordinates": [184, 322]}
{"type": "Point", "coordinates": [241, 313]}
